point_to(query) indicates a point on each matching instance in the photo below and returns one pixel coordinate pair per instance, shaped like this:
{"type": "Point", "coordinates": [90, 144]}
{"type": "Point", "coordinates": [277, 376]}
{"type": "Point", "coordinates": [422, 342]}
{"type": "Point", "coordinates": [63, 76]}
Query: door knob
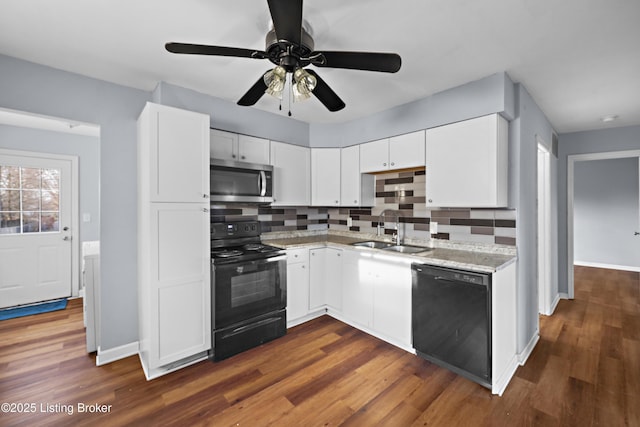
{"type": "Point", "coordinates": [66, 238]}
{"type": "Point", "coordinates": [637, 233]}
{"type": "Point", "coordinates": [65, 229]}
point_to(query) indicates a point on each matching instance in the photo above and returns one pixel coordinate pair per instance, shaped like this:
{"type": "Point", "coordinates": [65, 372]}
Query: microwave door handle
{"type": "Point", "coordinates": [262, 183]}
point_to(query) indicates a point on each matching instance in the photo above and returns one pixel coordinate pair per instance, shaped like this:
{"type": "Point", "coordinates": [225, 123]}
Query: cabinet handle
{"type": "Point", "coordinates": [233, 156]}
{"type": "Point", "coordinates": [392, 164]}
{"type": "Point", "coordinates": [205, 196]}
{"type": "Point", "coordinates": [384, 164]}
{"type": "Point", "coordinates": [205, 210]}
{"type": "Point", "coordinates": [242, 157]}
{"type": "Point", "coordinates": [430, 201]}
{"type": "Point", "coordinates": [337, 202]}
{"type": "Point", "coordinates": [303, 266]}
{"type": "Point", "coordinates": [355, 201]}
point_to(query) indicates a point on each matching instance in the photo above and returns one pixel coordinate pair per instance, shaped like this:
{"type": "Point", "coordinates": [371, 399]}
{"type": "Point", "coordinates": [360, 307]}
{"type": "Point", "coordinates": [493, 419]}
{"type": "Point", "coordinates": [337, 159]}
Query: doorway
{"type": "Point", "coordinates": [38, 216]}
{"type": "Point", "coordinates": [621, 225]}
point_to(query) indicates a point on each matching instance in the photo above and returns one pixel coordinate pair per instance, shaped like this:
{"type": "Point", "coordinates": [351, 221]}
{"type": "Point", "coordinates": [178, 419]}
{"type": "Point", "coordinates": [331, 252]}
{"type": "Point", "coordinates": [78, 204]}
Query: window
{"type": "Point", "coordinates": [29, 200]}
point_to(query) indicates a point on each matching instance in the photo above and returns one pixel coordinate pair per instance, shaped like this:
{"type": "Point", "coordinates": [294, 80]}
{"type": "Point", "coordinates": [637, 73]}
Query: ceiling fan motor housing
{"type": "Point", "coordinates": [287, 54]}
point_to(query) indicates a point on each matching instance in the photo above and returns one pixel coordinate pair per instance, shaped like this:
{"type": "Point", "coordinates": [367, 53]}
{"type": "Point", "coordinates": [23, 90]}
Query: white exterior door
{"type": "Point", "coordinates": [35, 229]}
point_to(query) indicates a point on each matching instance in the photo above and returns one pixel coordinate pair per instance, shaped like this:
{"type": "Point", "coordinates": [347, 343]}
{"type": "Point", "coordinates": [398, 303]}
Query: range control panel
{"type": "Point", "coordinates": [227, 230]}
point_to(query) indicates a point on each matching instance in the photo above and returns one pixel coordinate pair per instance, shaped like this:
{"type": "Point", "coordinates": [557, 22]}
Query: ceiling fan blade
{"type": "Point", "coordinates": [254, 93]}
{"type": "Point", "coordinates": [325, 94]}
{"type": "Point", "coordinates": [287, 19]}
{"type": "Point", "coordinates": [368, 61]}
{"type": "Point", "coordinates": [202, 49]}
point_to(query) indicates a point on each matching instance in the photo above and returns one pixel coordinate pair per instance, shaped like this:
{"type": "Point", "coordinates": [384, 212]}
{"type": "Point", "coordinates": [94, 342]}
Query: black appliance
{"type": "Point", "coordinates": [451, 320]}
{"type": "Point", "coordinates": [249, 289]}
{"type": "Point", "coordinates": [240, 182]}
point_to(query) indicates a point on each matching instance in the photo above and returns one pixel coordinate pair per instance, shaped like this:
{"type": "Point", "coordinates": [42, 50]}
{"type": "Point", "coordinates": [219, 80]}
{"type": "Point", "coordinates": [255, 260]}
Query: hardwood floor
{"type": "Point", "coordinates": [584, 371]}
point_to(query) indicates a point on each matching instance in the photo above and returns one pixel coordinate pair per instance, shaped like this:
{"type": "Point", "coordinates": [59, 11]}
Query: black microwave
{"type": "Point", "coordinates": [239, 182]}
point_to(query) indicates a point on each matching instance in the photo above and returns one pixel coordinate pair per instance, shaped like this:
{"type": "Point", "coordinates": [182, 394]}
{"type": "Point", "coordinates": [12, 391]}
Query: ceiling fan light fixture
{"type": "Point", "coordinates": [304, 84]}
{"type": "Point", "coordinates": [275, 80]}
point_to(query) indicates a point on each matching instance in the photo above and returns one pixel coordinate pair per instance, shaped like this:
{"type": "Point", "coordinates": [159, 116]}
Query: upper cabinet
{"type": "Point", "coordinates": [467, 163]}
{"type": "Point", "coordinates": [291, 177]}
{"type": "Point", "coordinates": [398, 152]}
{"type": "Point", "coordinates": [239, 148]}
{"type": "Point", "coordinates": [356, 189]}
{"type": "Point", "coordinates": [170, 173]}
{"type": "Point", "coordinates": [325, 176]}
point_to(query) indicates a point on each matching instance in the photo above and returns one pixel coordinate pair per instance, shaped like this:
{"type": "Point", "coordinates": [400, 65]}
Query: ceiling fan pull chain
{"type": "Point", "coordinates": [290, 91]}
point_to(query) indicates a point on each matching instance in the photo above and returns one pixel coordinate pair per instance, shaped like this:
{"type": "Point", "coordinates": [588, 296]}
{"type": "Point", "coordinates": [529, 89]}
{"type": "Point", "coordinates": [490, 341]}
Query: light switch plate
{"type": "Point", "coordinates": [86, 217]}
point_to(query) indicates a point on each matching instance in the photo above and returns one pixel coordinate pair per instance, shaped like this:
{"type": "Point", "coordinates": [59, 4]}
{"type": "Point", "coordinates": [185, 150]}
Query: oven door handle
{"type": "Point", "coordinates": [273, 259]}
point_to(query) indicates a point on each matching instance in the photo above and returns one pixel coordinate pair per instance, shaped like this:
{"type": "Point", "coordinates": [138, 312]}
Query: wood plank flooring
{"type": "Point", "coordinates": [585, 371]}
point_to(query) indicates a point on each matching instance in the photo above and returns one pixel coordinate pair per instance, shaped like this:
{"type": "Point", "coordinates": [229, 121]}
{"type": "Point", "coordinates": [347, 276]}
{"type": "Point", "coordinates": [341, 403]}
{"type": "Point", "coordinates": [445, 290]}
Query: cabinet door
{"type": "Point", "coordinates": [325, 176]}
{"type": "Point", "coordinates": [392, 300]}
{"type": "Point", "coordinates": [333, 278]}
{"type": "Point", "coordinates": [467, 163]}
{"type": "Point", "coordinates": [179, 154]}
{"type": "Point", "coordinates": [317, 278]}
{"type": "Point", "coordinates": [374, 156]}
{"type": "Point", "coordinates": [180, 289]}
{"type": "Point", "coordinates": [357, 290]}
{"type": "Point", "coordinates": [291, 181]}
{"type": "Point", "coordinates": [297, 290]}
{"type": "Point", "coordinates": [224, 145]}
{"type": "Point", "coordinates": [356, 189]}
{"type": "Point", "coordinates": [253, 150]}
{"type": "Point", "coordinates": [406, 151]}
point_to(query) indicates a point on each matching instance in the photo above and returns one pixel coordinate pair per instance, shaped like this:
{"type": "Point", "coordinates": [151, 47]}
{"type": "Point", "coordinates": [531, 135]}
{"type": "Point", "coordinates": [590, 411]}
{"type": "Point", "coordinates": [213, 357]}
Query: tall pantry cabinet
{"type": "Point", "coordinates": [174, 291]}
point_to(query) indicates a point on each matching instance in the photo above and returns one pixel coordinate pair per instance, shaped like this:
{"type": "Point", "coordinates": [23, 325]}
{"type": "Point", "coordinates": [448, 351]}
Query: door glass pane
{"type": "Point", "coordinates": [31, 178]}
{"type": "Point", "coordinates": [50, 179]}
{"type": "Point", "coordinates": [30, 222]}
{"type": "Point", "coordinates": [9, 222]}
{"type": "Point", "coordinates": [50, 200]}
{"type": "Point", "coordinates": [9, 177]}
{"type": "Point", "coordinates": [9, 200]}
{"type": "Point", "coordinates": [31, 200]}
{"type": "Point", "coordinates": [50, 221]}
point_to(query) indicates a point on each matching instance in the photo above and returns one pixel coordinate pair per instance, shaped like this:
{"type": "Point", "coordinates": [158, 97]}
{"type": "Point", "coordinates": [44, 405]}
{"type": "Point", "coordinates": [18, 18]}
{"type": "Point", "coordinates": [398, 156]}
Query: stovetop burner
{"type": "Point", "coordinates": [253, 247]}
{"type": "Point", "coordinates": [226, 253]}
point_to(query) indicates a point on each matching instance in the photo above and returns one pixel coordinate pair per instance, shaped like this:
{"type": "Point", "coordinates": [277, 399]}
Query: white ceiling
{"type": "Point", "coordinates": [579, 59]}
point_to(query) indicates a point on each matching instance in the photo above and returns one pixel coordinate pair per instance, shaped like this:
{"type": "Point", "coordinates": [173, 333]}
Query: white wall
{"type": "Point", "coordinates": [606, 213]}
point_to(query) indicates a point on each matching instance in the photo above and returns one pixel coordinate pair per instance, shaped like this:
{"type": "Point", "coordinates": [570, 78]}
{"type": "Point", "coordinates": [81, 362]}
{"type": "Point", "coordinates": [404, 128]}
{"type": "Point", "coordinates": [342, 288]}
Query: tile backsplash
{"type": "Point", "coordinates": [399, 191]}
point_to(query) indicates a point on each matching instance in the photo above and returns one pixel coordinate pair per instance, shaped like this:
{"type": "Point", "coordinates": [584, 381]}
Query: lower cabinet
{"type": "Point", "coordinates": [325, 287]}
{"type": "Point", "coordinates": [376, 290]}
{"type": "Point", "coordinates": [392, 301]}
{"type": "Point", "coordinates": [297, 285]}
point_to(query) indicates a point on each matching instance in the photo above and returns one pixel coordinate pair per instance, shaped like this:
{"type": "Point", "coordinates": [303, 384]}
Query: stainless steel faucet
{"type": "Point", "coordinates": [397, 237]}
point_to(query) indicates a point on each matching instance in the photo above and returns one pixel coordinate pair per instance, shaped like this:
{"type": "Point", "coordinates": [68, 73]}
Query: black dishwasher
{"type": "Point", "coordinates": [451, 320]}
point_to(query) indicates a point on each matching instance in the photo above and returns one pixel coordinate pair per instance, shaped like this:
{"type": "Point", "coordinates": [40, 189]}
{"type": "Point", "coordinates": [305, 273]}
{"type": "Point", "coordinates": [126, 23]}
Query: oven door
{"type": "Point", "coordinates": [246, 289]}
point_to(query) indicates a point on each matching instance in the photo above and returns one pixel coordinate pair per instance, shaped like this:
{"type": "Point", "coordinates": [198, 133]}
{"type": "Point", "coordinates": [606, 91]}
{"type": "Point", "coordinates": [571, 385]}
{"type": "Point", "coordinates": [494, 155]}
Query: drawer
{"type": "Point", "coordinates": [297, 255]}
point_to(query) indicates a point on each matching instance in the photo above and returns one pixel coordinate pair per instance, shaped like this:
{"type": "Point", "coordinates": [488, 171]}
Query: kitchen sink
{"type": "Point", "coordinates": [405, 249]}
{"type": "Point", "coordinates": [372, 244]}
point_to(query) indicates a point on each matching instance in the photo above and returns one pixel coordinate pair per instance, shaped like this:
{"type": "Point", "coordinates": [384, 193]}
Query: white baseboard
{"type": "Point", "coordinates": [526, 352]}
{"type": "Point", "coordinates": [501, 383]}
{"type": "Point", "coordinates": [117, 353]}
{"type": "Point", "coordinates": [607, 266]}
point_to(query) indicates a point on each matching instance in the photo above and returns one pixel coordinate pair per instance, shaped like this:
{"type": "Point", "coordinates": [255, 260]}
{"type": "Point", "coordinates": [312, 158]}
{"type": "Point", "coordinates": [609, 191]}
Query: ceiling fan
{"type": "Point", "coordinates": [290, 47]}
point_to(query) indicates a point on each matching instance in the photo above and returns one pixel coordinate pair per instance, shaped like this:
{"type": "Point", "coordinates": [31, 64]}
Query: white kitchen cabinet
{"type": "Point", "coordinates": [467, 163]}
{"type": "Point", "coordinates": [292, 178]}
{"type": "Point", "coordinates": [297, 285]}
{"type": "Point", "coordinates": [325, 283]}
{"type": "Point", "coordinates": [356, 189]}
{"type": "Point", "coordinates": [325, 176]}
{"type": "Point", "coordinates": [171, 172]}
{"type": "Point", "coordinates": [392, 300]}
{"type": "Point", "coordinates": [174, 272]}
{"type": "Point", "coordinates": [397, 152]}
{"type": "Point", "coordinates": [357, 290]}
{"type": "Point", "coordinates": [239, 148]}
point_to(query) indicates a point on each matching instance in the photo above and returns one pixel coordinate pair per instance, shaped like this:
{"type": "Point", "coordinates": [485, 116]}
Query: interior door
{"type": "Point", "coordinates": [35, 229]}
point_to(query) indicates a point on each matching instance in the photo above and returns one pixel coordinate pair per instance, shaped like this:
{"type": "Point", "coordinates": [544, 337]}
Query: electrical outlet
{"type": "Point", "coordinates": [433, 227]}
{"type": "Point", "coordinates": [349, 222]}
{"type": "Point", "coordinates": [86, 217]}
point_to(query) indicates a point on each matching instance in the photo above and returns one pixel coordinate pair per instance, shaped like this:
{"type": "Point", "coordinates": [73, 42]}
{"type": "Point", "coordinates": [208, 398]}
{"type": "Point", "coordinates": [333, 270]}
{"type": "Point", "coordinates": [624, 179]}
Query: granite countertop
{"type": "Point", "coordinates": [473, 257]}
